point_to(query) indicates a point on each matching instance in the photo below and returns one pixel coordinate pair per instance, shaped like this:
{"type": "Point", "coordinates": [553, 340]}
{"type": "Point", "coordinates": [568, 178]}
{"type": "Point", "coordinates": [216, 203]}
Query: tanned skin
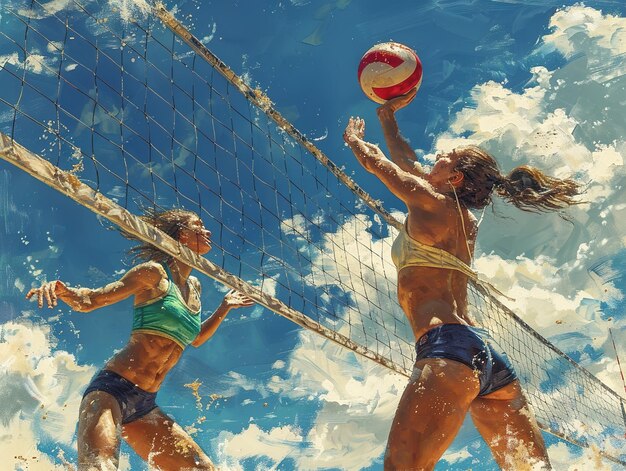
{"type": "Point", "coordinates": [442, 391]}
{"type": "Point", "coordinates": [145, 361]}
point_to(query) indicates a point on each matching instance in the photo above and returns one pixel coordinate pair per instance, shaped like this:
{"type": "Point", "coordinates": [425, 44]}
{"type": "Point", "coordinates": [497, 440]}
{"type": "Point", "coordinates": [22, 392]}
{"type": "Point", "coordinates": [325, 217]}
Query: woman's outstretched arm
{"type": "Point", "coordinates": [137, 279]}
{"type": "Point", "coordinates": [400, 151]}
{"type": "Point", "coordinates": [232, 300]}
{"type": "Point", "coordinates": [413, 190]}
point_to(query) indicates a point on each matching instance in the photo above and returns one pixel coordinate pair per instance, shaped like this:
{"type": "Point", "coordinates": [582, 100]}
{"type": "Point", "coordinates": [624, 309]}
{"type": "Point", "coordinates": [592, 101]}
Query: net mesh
{"type": "Point", "coordinates": [144, 114]}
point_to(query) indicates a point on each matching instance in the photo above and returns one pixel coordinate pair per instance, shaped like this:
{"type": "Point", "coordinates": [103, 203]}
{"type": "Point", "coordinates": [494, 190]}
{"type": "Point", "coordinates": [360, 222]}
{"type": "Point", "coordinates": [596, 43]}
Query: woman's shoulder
{"type": "Point", "coordinates": [151, 265]}
{"type": "Point", "coordinates": [153, 268]}
{"type": "Point", "coordinates": [195, 282]}
{"type": "Point", "coordinates": [152, 276]}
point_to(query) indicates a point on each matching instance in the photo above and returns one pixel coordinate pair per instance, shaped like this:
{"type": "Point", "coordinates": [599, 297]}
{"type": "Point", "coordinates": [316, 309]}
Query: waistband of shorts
{"type": "Point", "coordinates": [480, 331]}
{"type": "Point", "coordinates": [121, 379]}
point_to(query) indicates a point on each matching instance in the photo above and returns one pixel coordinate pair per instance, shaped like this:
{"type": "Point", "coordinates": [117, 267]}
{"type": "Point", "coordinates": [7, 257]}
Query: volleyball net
{"type": "Point", "coordinates": [123, 114]}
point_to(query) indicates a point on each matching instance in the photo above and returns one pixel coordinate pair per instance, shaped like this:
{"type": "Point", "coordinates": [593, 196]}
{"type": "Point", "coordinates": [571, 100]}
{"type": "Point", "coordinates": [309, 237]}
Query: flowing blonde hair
{"type": "Point", "coordinates": [526, 187]}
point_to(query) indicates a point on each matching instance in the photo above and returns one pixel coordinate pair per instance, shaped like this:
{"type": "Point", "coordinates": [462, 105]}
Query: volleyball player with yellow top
{"type": "Point", "coordinates": [458, 367]}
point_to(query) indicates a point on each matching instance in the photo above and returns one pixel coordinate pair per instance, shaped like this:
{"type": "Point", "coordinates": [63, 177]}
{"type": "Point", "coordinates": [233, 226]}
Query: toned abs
{"type": "Point", "coordinates": [146, 360]}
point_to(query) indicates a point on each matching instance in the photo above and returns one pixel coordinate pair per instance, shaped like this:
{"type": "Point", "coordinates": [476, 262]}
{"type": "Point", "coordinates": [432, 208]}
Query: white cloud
{"type": "Point", "coordinates": [605, 161]}
{"type": "Point", "coordinates": [34, 62]}
{"type": "Point", "coordinates": [130, 9]}
{"type": "Point", "coordinates": [294, 226]}
{"type": "Point", "coordinates": [50, 8]}
{"type": "Point", "coordinates": [601, 37]}
{"type": "Point", "coordinates": [608, 371]}
{"type": "Point", "coordinates": [41, 392]}
{"type": "Point", "coordinates": [358, 400]}
{"type": "Point", "coordinates": [278, 364]}
{"type": "Point", "coordinates": [276, 444]}
{"type": "Point", "coordinates": [351, 258]}
{"type": "Point", "coordinates": [498, 112]}
{"type": "Point", "coordinates": [529, 128]}
{"type": "Point", "coordinates": [127, 9]}
{"type": "Point", "coordinates": [538, 293]}
{"type": "Point", "coordinates": [568, 122]}
{"type": "Point", "coordinates": [236, 382]}
{"type": "Point", "coordinates": [563, 459]}
{"type": "Point", "coordinates": [457, 456]}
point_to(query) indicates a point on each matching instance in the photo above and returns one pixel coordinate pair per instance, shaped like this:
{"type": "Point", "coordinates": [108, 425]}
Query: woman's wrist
{"type": "Point", "coordinates": [384, 112]}
{"type": "Point", "coordinates": [60, 288]}
{"type": "Point", "coordinates": [351, 139]}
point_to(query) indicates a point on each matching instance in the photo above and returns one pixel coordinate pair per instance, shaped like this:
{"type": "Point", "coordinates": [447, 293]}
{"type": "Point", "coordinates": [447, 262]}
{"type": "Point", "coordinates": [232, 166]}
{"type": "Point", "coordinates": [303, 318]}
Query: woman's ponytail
{"type": "Point", "coordinates": [531, 190]}
{"type": "Point", "coordinates": [526, 187]}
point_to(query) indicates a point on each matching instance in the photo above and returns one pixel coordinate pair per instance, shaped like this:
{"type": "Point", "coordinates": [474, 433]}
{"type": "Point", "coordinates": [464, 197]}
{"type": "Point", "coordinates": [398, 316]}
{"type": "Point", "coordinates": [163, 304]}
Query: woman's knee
{"type": "Point", "coordinates": [197, 462]}
{"type": "Point", "coordinates": [408, 457]}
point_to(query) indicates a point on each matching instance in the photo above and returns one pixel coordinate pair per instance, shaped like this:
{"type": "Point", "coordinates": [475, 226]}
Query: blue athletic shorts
{"type": "Point", "coordinates": [134, 402]}
{"type": "Point", "coordinates": [473, 347]}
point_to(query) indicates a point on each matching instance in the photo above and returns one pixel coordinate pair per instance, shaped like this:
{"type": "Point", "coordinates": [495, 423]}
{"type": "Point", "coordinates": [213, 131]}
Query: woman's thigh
{"type": "Point", "coordinates": [508, 425]}
{"type": "Point", "coordinates": [164, 444]}
{"type": "Point", "coordinates": [99, 431]}
{"type": "Point", "coordinates": [430, 413]}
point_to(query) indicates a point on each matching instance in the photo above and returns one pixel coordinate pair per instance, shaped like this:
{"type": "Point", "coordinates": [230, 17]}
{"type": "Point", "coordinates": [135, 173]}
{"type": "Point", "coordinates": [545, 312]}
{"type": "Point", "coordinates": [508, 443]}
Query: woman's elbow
{"type": "Point", "coordinates": [83, 308]}
{"type": "Point", "coordinates": [87, 304]}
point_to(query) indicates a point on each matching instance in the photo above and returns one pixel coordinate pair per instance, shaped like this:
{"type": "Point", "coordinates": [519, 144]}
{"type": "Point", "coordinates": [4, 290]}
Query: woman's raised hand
{"type": "Point", "coordinates": [48, 292]}
{"type": "Point", "coordinates": [355, 130]}
{"type": "Point", "coordinates": [391, 106]}
{"type": "Point", "coordinates": [235, 299]}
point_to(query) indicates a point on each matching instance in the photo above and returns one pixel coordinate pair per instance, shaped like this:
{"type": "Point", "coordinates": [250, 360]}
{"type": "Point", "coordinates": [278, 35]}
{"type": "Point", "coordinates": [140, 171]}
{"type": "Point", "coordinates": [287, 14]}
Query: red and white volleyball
{"type": "Point", "coordinates": [389, 70]}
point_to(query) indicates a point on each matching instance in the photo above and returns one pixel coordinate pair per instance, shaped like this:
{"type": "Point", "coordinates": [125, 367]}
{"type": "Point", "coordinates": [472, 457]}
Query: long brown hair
{"type": "Point", "coordinates": [526, 187]}
{"type": "Point", "coordinates": [170, 221]}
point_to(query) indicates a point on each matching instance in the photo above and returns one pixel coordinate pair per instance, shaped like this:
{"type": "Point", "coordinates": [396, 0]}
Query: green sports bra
{"type": "Point", "coordinates": [168, 316]}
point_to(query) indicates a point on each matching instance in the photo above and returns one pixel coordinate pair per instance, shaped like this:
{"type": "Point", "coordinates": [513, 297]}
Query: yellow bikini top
{"type": "Point", "coordinates": [408, 252]}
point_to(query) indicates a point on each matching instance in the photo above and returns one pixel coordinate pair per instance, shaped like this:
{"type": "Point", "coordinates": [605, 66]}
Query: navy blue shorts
{"type": "Point", "coordinates": [471, 346]}
{"type": "Point", "coordinates": [134, 402]}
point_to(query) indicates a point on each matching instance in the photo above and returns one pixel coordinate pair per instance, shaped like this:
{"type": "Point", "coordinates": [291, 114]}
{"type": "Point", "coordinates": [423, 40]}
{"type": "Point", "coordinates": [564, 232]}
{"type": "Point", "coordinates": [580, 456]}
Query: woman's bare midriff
{"type": "Point", "coordinates": [433, 296]}
{"type": "Point", "coordinates": [145, 360]}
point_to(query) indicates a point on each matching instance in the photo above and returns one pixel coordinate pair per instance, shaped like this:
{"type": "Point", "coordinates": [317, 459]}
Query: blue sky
{"type": "Point", "coordinates": [534, 82]}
